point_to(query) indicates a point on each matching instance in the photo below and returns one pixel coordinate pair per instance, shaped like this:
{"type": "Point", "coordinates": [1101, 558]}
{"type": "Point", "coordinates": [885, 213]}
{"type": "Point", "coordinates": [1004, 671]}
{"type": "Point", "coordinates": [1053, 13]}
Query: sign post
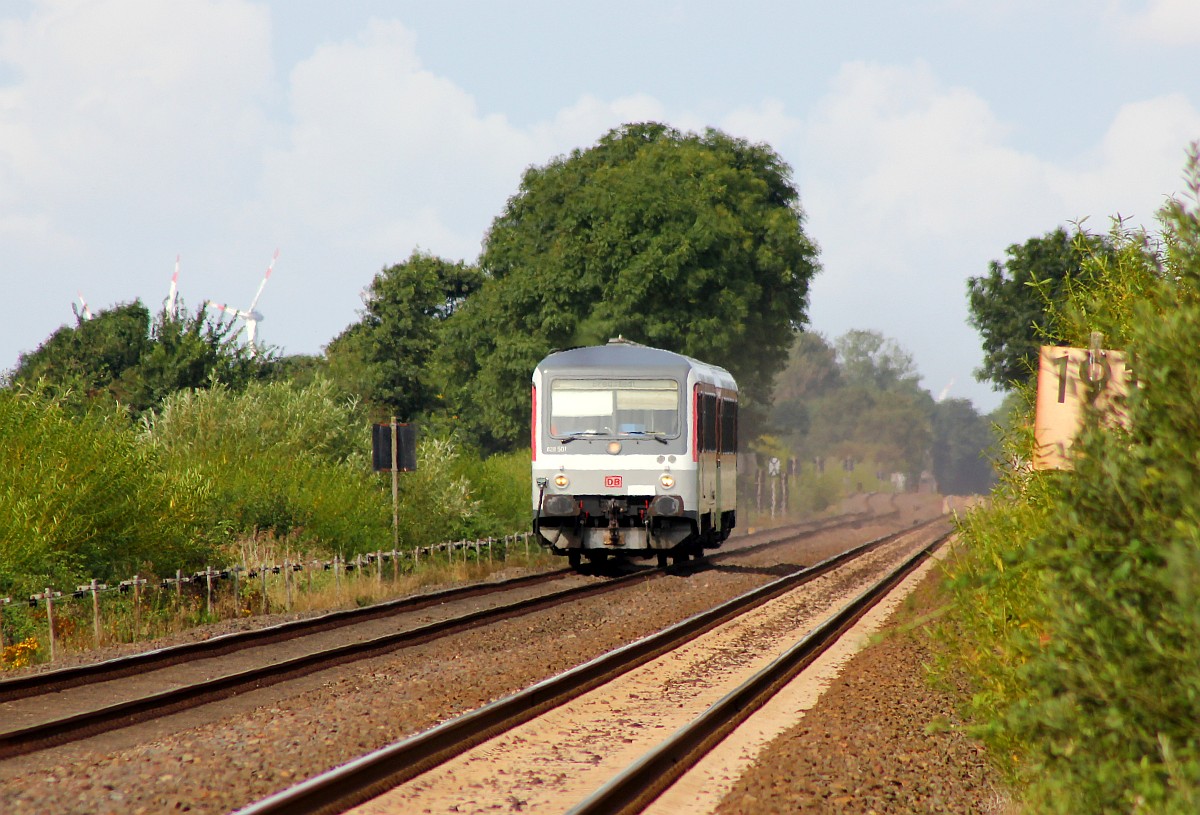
{"type": "Point", "coordinates": [395, 486]}
{"type": "Point", "coordinates": [394, 447]}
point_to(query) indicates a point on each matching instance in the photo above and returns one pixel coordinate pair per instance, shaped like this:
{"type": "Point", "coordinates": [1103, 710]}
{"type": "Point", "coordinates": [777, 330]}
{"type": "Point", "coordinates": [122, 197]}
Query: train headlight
{"type": "Point", "coordinates": [561, 481]}
{"type": "Point", "coordinates": [667, 480]}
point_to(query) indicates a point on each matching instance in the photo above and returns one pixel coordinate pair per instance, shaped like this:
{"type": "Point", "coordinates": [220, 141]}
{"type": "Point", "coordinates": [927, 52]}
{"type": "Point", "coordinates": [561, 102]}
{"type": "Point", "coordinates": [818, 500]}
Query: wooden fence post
{"type": "Point", "coordinates": [95, 587]}
{"type": "Point", "coordinates": [287, 582]}
{"type": "Point", "coordinates": [48, 595]}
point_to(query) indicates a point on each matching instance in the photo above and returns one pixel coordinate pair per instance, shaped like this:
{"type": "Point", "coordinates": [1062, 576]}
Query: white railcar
{"type": "Point", "coordinates": [634, 453]}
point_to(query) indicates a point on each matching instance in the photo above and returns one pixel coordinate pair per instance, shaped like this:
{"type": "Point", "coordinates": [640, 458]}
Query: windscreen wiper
{"type": "Point", "coordinates": [657, 435]}
{"type": "Point", "coordinates": [582, 434]}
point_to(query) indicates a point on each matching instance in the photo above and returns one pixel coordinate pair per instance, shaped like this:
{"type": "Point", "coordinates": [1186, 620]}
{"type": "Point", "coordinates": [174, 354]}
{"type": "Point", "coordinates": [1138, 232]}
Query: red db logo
{"type": "Point", "coordinates": [612, 482]}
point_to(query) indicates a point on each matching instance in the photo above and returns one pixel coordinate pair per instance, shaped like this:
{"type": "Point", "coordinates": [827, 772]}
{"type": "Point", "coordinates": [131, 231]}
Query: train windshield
{"type": "Point", "coordinates": [614, 407]}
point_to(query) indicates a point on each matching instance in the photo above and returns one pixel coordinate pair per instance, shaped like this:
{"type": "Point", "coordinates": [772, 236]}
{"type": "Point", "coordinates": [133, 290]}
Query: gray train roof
{"type": "Point", "coordinates": [623, 354]}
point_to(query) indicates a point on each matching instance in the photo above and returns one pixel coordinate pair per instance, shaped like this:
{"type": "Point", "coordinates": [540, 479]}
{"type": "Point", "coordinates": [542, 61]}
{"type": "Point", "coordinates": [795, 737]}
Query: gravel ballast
{"type": "Point", "coordinates": [881, 739]}
{"type": "Point", "coordinates": [212, 761]}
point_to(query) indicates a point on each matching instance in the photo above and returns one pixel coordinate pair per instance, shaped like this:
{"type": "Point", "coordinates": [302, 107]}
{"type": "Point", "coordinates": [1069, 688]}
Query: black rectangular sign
{"type": "Point", "coordinates": [381, 447]}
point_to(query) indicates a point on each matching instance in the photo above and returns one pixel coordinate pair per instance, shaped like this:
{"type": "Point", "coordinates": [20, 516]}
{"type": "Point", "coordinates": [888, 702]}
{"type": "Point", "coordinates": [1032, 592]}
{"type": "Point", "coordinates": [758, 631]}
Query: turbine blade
{"type": "Point", "coordinates": [263, 284]}
{"type": "Point", "coordinates": [87, 312]}
{"type": "Point", "coordinates": [174, 289]}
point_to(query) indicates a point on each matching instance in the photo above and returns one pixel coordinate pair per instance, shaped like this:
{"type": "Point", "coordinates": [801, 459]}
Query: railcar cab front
{"type": "Point", "coordinates": [633, 453]}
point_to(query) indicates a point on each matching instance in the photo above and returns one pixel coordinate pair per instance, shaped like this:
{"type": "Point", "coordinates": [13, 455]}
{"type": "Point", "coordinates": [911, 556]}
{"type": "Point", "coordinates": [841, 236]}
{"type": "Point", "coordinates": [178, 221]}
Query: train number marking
{"type": "Point", "coordinates": [613, 482]}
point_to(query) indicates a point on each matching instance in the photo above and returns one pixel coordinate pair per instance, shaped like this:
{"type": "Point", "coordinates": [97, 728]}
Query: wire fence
{"type": "Point", "coordinates": [120, 612]}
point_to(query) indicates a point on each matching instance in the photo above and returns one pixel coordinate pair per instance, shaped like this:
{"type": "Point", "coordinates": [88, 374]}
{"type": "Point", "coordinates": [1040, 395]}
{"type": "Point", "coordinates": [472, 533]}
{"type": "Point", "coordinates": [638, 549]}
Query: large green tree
{"type": "Point", "coordinates": [1010, 305]}
{"type": "Point", "coordinates": [386, 356]}
{"type": "Point", "coordinates": [689, 242]}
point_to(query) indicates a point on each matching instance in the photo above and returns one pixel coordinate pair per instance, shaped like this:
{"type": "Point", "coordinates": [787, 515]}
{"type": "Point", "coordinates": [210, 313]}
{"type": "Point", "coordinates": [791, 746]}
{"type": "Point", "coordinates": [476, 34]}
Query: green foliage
{"type": "Point", "coordinates": [859, 399]}
{"type": "Point", "coordinates": [1077, 591]}
{"type": "Point", "coordinates": [868, 359]}
{"type": "Point", "coordinates": [293, 460]}
{"type": "Point", "coordinates": [123, 357]}
{"type": "Point", "coordinates": [961, 441]}
{"type": "Point", "coordinates": [454, 496]}
{"type": "Point", "coordinates": [386, 357]}
{"type": "Point", "coordinates": [680, 241]}
{"type": "Point", "coordinates": [1009, 305]}
{"type": "Point", "coordinates": [811, 370]}
{"type": "Point", "coordinates": [83, 499]}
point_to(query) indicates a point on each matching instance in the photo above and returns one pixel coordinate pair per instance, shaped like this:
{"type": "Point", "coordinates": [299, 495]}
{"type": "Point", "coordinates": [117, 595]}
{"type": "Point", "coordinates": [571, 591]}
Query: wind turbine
{"type": "Point", "coordinates": [945, 391]}
{"type": "Point", "coordinates": [172, 296]}
{"type": "Point", "coordinates": [83, 311]}
{"type": "Point", "coordinates": [250, 316]}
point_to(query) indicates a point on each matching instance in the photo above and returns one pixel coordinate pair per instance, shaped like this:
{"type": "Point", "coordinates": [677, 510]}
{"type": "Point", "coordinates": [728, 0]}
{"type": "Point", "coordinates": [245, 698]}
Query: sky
{"type": "Point", "coordinates": [924, 138]}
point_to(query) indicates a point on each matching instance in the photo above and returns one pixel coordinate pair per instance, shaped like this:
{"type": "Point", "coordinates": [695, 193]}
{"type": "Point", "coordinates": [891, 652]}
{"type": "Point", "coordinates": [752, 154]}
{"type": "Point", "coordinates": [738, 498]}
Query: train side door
{"type": "Point", "coordinates": [706, 443]}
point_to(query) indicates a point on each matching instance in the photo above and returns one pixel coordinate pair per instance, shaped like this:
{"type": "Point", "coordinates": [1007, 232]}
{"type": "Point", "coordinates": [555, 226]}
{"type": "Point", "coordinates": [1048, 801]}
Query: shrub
{"type": "Point", "coordinates": [1077, 590]}
{"type": "Point", "coordinates": [83, 499]}
{"type": "Point", "coordinates": [292, 460]}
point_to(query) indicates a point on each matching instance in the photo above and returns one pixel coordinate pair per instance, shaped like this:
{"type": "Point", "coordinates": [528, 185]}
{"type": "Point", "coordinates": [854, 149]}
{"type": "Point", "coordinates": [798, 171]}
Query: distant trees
{"type": "Point", "coordinates": [860, 399]}
{"type": "Point", "coordinates": [962, 449]}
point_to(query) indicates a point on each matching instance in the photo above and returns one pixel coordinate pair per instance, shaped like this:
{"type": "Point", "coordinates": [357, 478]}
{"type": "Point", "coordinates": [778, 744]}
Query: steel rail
{"type": "Point", "coordinates": [638, 785]}
{"type": "Point", "coordinates": [34, 684]}
{"type": "Point", "coordinates": [363, 778]}
{"type": "Point", "coordinates": [133, 711]}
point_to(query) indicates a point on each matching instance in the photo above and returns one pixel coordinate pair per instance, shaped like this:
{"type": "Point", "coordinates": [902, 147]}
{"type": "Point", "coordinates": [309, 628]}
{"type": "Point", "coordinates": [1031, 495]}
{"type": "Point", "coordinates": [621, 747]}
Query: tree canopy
{"type": "Point", "coordinates": [962, 440]}
{"type": "Point", "coordinates": [386, 357]}
{"type": "Point", "coordinates": [860, 398]}
{"type": "Point", "coordinates": [1009, 305]}
{"type": "Point", "coordinates": [693, 243]}
{"type": "Point", "coordinates": [122, 355]}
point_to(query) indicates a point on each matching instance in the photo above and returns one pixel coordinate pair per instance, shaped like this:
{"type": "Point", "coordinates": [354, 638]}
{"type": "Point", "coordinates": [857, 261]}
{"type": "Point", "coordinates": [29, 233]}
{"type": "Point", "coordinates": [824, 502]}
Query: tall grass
{"type": "Point", "coordinates": [82, 498]}
{"type": "Point", "coordinates": [214, 478]}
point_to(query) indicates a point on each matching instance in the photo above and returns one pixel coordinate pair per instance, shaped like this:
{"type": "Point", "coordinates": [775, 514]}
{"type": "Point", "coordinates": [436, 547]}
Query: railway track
{"type": "Point", "coordinates": [628, 791]}
{"type": "Point", "coordinates": [39, 710]}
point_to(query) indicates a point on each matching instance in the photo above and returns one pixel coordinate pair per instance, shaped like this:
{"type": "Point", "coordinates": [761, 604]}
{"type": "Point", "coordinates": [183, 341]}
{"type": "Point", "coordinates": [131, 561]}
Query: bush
{"type": "Point", "coordinates": [454, 495]}
{"type": "Point", "coordinates": [83, 499]}
{"type": "Point", "coordinates": [291, 460]}
{"type": "Point", "coordinates": [1077, 591]}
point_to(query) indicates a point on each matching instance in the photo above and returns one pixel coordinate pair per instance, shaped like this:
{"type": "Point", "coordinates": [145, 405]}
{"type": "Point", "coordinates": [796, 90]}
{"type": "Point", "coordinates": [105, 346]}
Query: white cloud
{"type": "Point", "coordinates": [1138, 163]}
{"type": "Point", "coordinates": [583, 122]}
{"type": "Point", "coordinates": [1169, 22]}
{"type": "Point", "coordinates": [384, 153]}
{"type": "Point", "coordinates": [131, 99]}
{"type": "Point", "coordinates": [770, 123]}
{"type": "Point", "coordinates": [912, 186]}
{"type": "Point", "coordinates": [126, 129]}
